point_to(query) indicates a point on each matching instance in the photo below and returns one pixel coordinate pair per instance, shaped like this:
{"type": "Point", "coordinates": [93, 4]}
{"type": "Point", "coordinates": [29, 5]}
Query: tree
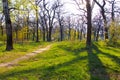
{"type": "Point", "coordinates": [37, 25]}
{"type": "Point", "coordinates": [102, 7]}
{"type": "Point", "coordinates": [60, 19]}
{"type": "Point", "coordinates": [9, 45]}
{"type": "Point", "coordinates": [87, 13]}
{"type": "Point", "coordinates": [98, 26]}
{"type": "Point", "coordinates": [89, 24]}
{"type": "Point", "coordinates": [69, 27]}
{"type": "Point", "coordinates": [51, 11]}
{"type": "Point", "coordinates": [43, 20]}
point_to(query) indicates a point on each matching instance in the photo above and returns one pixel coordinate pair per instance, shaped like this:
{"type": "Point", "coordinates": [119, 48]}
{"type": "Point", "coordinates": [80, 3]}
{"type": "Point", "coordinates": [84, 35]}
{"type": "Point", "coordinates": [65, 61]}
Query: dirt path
{"type": "Point", "coordinates": [27, 56]}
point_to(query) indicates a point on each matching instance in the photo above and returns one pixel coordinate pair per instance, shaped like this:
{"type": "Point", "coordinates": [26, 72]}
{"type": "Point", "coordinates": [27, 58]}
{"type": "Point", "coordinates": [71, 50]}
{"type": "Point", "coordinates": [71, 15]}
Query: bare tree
{"type": "Point", "coordinates": [51, 11]}
{"type": "Point", "coordinates": [112, 11]}
{"type": "Point", "coordinates": [102, 7]}
{"type": "Point", "coordinates": [97, 26]}
{"type": "Point", "coordinates": [60, 18]}
{"type": "Point", "coordinates": [43, 20]}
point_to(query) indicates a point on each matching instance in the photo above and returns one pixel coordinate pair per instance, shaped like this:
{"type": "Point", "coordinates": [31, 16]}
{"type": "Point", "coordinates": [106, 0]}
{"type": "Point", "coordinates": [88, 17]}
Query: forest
{"type": "Point", "coordinates": [59, 40]}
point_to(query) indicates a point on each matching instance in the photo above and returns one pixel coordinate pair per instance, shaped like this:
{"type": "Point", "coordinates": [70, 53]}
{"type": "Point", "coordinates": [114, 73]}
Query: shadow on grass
{"type": "Point", "coordinates": [108, 47]}
{"type": "Point", "coordinates": [75, 50]}
{"type": "Point", "coordinates": [96, 68]}
{"type": "Point", "coordinates": [114, 58]}
{"type": "Point", "coordinates": [45, 73]}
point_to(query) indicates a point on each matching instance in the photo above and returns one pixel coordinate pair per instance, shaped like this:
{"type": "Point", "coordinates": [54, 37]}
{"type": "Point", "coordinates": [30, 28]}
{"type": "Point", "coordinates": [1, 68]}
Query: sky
{"type": "Point", "coordinates": [70, 7]}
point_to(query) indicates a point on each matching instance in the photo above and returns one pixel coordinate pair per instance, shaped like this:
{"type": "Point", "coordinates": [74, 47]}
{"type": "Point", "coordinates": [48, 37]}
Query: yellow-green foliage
{"type": "Point", "coordinates": [114, 32]}
{"type": "Point", "coordinates": [3, 38]}
{"type": "Point", "coordinates": [22, 33]}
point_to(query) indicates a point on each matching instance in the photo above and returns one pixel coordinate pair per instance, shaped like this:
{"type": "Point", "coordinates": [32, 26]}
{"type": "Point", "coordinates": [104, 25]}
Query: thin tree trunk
{"type": "Point", "coordinates": [97, 36]}
{"type": "Point", "coordinates": [33, 37]}
{"type": "Point", "coordinates": [69, 33]}
{"type": "Point", "coordinates": [1, 30]}
{"type": "Point", "coordinates": [37, 34]}
{"type": "Point", "coordinates": [50, 34]}
{"type": "Point", "coordinates": [81, 33]}
{"type": "Point", "coordinates": [28, 26]}
{"type": "Point", "coordinates": [61, 33]}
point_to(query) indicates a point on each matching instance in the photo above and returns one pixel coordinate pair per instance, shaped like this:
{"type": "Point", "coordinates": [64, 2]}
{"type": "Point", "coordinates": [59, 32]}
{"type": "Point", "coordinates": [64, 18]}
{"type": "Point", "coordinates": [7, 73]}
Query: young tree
{"type": "Point", "coordinates": [9, 45]}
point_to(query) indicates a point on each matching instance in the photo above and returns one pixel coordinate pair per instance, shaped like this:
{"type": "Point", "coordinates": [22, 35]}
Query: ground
{"type": "Point", "coordinates": [69, 60]}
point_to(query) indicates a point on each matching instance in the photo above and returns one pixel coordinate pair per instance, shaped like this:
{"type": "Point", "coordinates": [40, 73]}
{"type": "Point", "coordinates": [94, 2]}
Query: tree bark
{"type": "Point", "coordinates": [9, 45]}
{"type": "Point", "coordinates": [89, 25]}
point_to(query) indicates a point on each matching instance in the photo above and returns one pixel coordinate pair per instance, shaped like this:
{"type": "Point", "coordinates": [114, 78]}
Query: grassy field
{"type": "Point", "coordinates": [68, 61]}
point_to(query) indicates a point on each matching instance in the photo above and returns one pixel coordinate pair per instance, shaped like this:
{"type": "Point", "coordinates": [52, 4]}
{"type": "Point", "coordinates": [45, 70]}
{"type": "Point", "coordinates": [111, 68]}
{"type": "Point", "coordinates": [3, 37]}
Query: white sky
{"type": "Point", "coordinates": [70, 7]}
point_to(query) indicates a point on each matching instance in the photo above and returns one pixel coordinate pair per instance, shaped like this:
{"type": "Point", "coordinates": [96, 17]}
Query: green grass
{"type": "Point", "coordinates": [68, 61]}
{"type": "Point", "coordinates": [19, 50]}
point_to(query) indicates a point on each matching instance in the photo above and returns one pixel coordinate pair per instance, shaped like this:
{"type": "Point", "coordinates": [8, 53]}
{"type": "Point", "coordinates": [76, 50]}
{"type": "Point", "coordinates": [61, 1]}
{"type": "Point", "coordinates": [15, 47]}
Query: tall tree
{"type": "Point", "coordinates": [51, 11]}
{"type": "Point", "coordinates": [37, 24]}
{"type": "Point", "coordinates": [60, 19]}
{"type": "Point", "coordinates": [89, 24]}
{"type": "Point", "coordinates": [9, 45]}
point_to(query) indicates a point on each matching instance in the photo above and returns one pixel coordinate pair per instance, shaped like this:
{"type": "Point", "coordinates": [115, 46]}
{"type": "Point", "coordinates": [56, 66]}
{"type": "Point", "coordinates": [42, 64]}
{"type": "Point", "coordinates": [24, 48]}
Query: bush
{"type": "Point", "coordinates": [114, 34]}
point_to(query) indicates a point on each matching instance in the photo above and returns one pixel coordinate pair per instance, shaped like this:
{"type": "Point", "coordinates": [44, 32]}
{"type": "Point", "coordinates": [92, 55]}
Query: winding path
{"type": "Point", "coordinates": [27, 56]}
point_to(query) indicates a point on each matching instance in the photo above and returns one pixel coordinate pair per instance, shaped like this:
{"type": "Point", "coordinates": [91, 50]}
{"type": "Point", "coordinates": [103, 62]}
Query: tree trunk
{"type": "Point", "coordinates": [61, 33]}
{"type": "Point", "coordinates": [28, 26]}
{"type": "Point", "coordinates": [37, 34]}
{"type": "Point", "coordinates": [78, 35]}
{"type": "Point", "coordinates": [33, 37]}
{"type": "Point", "coordinates": [69, 33]}
{"type": "Point", "coordinates": [89, 25]}
{"type": "Point", "coordinates": [9, 45]}
{"type": "Point", "coordinates": [1, 30]}
{"type": "Point", "coordinates": [81, 33]}
{"type": "Point", "coordinates": [97, 36]}
{"type": "Point", "coordinates": [43, 27]}
{"type": "Point", "coordinates": [50, 34]}
{"type": "Point", "coordinates": [75, 35]}
{"type": "Point", "coordinates": [16, 34]}
{"type": "Point", "coordinates": [43, 32]}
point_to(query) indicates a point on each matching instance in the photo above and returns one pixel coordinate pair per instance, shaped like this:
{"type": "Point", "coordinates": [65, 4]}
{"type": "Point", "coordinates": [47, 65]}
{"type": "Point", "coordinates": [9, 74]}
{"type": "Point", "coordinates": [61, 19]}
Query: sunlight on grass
{"type": "Point", "coordinates": [68, 61]}
{"type": "Point", "coordinates": [19, 50]}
